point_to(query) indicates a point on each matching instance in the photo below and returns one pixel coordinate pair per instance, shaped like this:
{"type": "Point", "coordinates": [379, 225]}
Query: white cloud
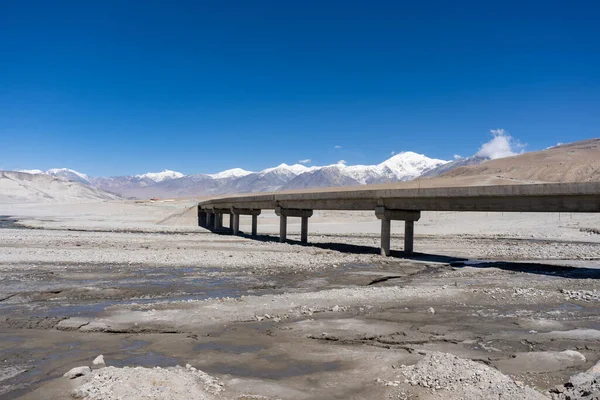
{"type": "Point", "coordinates": [305, 161]}
{"type": "Point", "coordinates": [343, 162]}
{"type": "Point", "coordinates": [337, 146]}
{"type": "Point", "coordinates": [457, 157]}
{"type": "Point", "coordinates": [501, 145]}
{"type": "Point", "coordinates": [392, 153]}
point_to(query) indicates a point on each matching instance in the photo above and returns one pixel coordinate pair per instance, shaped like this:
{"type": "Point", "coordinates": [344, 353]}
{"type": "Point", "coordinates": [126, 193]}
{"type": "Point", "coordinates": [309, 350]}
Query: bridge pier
{"type": "Point", "coordinates": [283, 213]}
{"type": "Point", "coordinates": [282, 228]}
{"type": "Point", "coordinates": [201, 217]}
{"type": "Point", "coordinates": [409, 236]}
{"type": "Point", "coordinates": [255, 224]}
{"type": "Point", "coordinates": [235, 223]}
{"type": "Point", "coordinates": [209, 219]}
{"type": "Point", "coordinates": [387, 216]}
{"type": "Point", "coordinates": [386, 230]}
{"type": "Point", "coordinates": [236, 212]}
{"type": "Point", "coordinates": [231, 221]}
{"type": "Point", "coordinates": [218, 217]}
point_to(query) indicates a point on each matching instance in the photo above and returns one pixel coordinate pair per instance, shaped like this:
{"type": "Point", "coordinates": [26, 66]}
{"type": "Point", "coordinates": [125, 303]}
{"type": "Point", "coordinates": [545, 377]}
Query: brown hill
{"type": "Point", "coordinates": [573, 162]}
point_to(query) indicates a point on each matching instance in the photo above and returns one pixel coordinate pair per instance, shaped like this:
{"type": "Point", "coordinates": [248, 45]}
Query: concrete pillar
{"type": "Point", "coordinates": [220, 219]}
{"type": "Point", "coordinates": [209, 220]}
{"type": "Point", "coordinates": [385, 236]}
{"type": "Point", "coordinates": [283, 213]}
{"type": "Point", "coordinates": [236, 212]}
{"type": "Point", "coordinates": [236, 223]}
{"type": "Point", "coordinates": [201, 217]}
{"type": "Point", "coordinates": [408, 216]}
{"type": "Point", "coordinates": [230, 221]}
{"type": "Point", "coordinates": [409, 236]}
{"type": "Point", "coordinates": [215, 221]}
{"type": "Point", "coordinates": [282, 228]}
{"type": "Point", "coordinates": [304, 230]}
{"type": "Point", "coordinates": [254, 225]}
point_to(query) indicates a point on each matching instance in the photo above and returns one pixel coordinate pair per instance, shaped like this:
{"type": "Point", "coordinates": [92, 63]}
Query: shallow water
{"type": "Point", "coordinates": [7, 222]}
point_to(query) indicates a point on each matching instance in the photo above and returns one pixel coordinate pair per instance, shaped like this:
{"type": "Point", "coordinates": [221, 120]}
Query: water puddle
{"type": "Point", "coordinates": [277, 367]}
{"type": "Point", "coordinates": [131, 345]}
{"type": "Point", "coordinates": [228, 347]}
{"type": "Point", "coordinates": [149, 360]}
{"type": "Point", "coordinates": [149, 285]}
{"type": "Point", "coordinates": [7, 222]}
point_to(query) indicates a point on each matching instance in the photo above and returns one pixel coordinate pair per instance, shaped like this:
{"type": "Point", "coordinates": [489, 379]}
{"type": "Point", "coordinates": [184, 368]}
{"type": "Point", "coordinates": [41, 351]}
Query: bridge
{"type": "Point", "coordinates": [399, 204]}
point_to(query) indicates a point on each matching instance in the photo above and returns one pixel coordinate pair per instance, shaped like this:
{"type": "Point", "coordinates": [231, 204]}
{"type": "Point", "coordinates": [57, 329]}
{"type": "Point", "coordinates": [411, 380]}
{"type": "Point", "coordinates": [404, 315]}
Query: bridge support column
{"type": "Point", "coordinates": [409, 236]}
{"type": "Point", "coordinates": [282, 228]}
{"type": "Point", "coordinates": [236, 212]}
{"type": "Point", "coordinates": [235, 224]}
{"type": "Point", "coordinates": [304, 230]}
{"type": "Point", "coordinates": [386, 232]}
{"type": "Point", "coordinates": [209, 220]}
{"type": "Point", "coordinates": [201, 217]}
{"type": "Point", "coordinates": [254, 225]}
{"type": "Point", "coordinates": [283, 213]}
{"type": "Point", "coordinates": [231, 221]}
{"type": "Point", "coordinates": [216, 218]}
{"type": "Point", "coordinates": [386, 216]}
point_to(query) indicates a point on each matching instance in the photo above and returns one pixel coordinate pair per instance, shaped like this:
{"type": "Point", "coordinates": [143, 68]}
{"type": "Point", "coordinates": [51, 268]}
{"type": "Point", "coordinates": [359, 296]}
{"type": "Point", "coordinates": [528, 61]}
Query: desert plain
{"type": "Point", "coordinates": [491, 305]}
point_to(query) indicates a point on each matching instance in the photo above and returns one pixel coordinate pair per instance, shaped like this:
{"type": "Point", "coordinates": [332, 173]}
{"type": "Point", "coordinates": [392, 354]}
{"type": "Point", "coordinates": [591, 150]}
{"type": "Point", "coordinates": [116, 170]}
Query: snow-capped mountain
{"type": "Point", "coordinates": [161, 176]}
{"type": "Point", "coordinates": [231, 173]}
{"type": "Point", "coordinates": [63, 173]}
{"type": "Point", "coordinates": [31, 171]}
{"type": "Point", "coordinates": [284, 169]}
{"type": "Point", "coordinates": [69, 174]}
{"type": "Point", "coordinates": [401, 167]}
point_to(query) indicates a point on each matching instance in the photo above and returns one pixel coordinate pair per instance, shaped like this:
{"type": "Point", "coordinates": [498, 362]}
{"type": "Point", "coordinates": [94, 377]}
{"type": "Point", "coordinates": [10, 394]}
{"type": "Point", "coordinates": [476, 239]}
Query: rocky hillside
{"type": "Point", "coordinates": [20, 187]}
{"type": "Point", "coordinates": [573, 162]}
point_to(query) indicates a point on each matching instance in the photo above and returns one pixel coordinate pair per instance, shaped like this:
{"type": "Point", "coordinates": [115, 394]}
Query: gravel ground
{"type": "Point", "coordinates": [447, 375]}
{"type": "Point", "coordinates": [175, 383]}
{"type": "Point", "coordinates": [476, 314]}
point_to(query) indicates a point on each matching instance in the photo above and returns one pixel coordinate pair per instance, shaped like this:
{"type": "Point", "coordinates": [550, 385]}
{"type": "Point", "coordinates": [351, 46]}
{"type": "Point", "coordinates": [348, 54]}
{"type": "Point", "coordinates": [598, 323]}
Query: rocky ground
{"type": "Point", "coordinates": [179, 312]}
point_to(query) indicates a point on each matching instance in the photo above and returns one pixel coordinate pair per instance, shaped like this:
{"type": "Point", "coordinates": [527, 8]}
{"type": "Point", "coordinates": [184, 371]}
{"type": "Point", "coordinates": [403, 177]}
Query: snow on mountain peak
{"type": "Point", "coordinates": [409, 165]}
{"type": "Point", "coordinates": [161, 176]}
{"type": "Point", "coordinates": [231, 173]}
{"type": "Point", "coordinates": [31, 171]}
{"type": "Point", "coordinates": [295, 169]}
{"type": "Point", "coordinates": [68, 174]}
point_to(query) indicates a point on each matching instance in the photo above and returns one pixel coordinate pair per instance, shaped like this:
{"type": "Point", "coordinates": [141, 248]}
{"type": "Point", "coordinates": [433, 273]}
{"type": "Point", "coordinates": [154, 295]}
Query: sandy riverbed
{"type": "Point", "coordinates": [140, 284]}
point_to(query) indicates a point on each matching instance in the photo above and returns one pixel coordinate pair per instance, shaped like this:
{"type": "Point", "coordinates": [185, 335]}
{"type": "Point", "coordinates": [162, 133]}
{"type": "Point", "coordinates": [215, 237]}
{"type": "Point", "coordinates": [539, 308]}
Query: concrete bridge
{"type": "Point", "coordinates": [400, 204]}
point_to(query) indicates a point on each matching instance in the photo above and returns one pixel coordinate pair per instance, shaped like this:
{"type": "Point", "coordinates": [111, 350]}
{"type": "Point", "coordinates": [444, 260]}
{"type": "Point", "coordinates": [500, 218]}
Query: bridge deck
{"type": "Point", "coordinates": [402, 204]}
{"type": "Point", "coordinates": [552, 197]}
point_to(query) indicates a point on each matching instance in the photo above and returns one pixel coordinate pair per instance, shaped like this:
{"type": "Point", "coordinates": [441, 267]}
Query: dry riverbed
{"type": "Point", "coordinates": [186, 313]}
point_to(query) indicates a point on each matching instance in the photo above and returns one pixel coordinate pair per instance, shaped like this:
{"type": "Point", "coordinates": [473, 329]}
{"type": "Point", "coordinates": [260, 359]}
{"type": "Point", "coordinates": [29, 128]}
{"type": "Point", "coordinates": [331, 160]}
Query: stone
{"type": "Point", "coordinates": [430, 310]}
{"type": "Point", "coordinates": [595, 369]}
{"type": "Point", "coordinates": [77, 372]}
{"type": "Point", "coordinates": [99, 360]}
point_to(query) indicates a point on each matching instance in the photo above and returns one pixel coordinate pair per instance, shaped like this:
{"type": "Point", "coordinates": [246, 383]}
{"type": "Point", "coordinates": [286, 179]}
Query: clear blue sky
{"type": "Point", "coordinates": [121, 87]}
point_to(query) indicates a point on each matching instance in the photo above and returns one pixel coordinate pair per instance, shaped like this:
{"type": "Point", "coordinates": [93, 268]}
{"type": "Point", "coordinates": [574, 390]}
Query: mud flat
{"type": "Point", "coordinates": [511, 312]}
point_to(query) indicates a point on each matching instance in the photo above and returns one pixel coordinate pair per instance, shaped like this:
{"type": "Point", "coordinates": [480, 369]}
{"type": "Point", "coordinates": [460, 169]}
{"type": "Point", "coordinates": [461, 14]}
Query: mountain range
{"type": "Point", "coordinates": [401, 167]}
{"type": "Point", "coordinates": [573, 162]}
